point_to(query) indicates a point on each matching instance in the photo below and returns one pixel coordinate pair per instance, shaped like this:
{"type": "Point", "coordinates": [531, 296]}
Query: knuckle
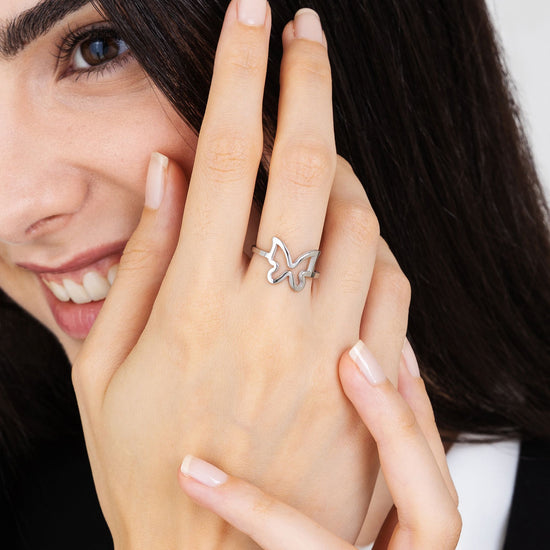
{"type": "Point", "coordinates": [455, 524]}
{"type": "Point", "coordinates": [227, 155]}
{"type": "Point", "coordinates": [245, 63]}
{"type": "Point", "coordinates": [245, 58]}
{"type": "Point", "coordinates": [137, 257]}
{"type": "Point", "coordinates": [394, 283]}
{"type": "Point", "coordinates": [455, 527]}
{"type": "Point", "coordinates": [406, 423]}
{"type": "Point", "coordinates": [343, 164]}
{"type": "Point", "coordinates": [308, 163]}
{"type": "Point", "coordinates": [263, 506]}
{"type": "Point", "coordinates": [361, 222]}
{"type": "Point", "coordinates": [402, 425]}
{"type": "Point", "coordinates": [447, 527]}
{"type": "Point", "coordinates": [307, 64]}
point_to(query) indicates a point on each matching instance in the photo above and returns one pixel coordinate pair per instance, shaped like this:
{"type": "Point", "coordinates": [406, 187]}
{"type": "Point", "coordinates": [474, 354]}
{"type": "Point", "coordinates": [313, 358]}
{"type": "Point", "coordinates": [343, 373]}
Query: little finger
{"type": "Point", "coordinates": [348, 248]}
{"type": "Point", "coordinates": [385, 317]}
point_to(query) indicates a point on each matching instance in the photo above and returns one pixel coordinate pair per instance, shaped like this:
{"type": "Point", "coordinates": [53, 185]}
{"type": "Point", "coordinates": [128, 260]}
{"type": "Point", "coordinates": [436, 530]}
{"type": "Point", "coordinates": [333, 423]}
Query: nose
{"type": "Point", "coordinates": [40, 188]}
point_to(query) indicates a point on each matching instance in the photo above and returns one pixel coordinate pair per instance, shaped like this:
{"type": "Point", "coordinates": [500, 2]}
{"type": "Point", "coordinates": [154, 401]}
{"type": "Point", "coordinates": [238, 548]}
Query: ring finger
{"type": "Point", "coordinates": [304, 154]}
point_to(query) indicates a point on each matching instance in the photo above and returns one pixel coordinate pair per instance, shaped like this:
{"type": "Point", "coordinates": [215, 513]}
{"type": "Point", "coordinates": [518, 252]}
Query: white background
{"type": "Point", "coordinates": [524, 28]}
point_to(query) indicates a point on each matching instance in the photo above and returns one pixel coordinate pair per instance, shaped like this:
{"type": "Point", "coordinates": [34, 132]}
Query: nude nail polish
{"type": "Point", "coordinates": [202, 471]}
{"type": "Point", "coordinates": [156, 179]}
{"type": "Point", "coordinates": [367, 364]}
{"type": "Point", "coordinates": [307, 25]}
{"type": "Point", "coordinates": [410, 360]}
{"type": "Point", "coordinates": [252, 12]}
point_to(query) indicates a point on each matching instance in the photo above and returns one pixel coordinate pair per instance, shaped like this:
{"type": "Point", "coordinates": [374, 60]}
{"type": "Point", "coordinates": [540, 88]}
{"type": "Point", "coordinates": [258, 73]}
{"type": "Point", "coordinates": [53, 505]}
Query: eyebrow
{"type": "Point", "coordinates": [18, 33]}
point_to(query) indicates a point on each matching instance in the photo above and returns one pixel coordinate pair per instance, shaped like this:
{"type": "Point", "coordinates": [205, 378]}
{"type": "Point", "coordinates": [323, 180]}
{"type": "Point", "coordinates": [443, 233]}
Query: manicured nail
{"type": "Point", "coordinates": [156, 178]}
{"type": "Point", "coordinates": [307, 25]}
{"type": "Point", "coordinates": [367, 364]}
{"type": "Point", "coordinates": [202, 471]}
{"type": "Point", "coordinates": [252, 12]}
{"type": "Point", "coordinates": [410, 360]}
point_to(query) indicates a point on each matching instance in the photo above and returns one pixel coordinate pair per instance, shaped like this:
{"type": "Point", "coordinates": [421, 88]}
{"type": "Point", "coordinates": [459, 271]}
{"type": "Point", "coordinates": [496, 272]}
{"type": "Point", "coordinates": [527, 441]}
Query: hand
{"type": "Point", "coordinates": [413, 463]}
{"type": "Point", "coordinates": [194, 351]}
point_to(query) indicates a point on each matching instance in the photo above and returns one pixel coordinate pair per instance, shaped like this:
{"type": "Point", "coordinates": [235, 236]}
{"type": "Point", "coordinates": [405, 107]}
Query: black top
{"type": "Point", "coordinates": [529, 524]}
{"type": "Point", "coordinates": [52, 505]}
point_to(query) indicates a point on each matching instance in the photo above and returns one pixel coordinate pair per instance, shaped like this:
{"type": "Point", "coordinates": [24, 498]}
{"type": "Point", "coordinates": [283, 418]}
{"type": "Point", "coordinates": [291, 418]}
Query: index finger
{"type": "Point", "coordinates": [230, 143]}
{"type": "Point", "coordinates": [271, 523]}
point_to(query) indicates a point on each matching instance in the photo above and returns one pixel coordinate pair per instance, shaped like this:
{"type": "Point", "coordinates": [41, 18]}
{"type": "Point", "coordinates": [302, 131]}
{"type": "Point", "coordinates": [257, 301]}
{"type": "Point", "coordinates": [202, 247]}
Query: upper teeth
{"type": "Point", "coordinates": [94, 287]}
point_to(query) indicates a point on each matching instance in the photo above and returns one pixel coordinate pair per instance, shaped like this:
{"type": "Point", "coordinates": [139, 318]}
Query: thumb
{"type": "Point", "coordinates": [141, 271]}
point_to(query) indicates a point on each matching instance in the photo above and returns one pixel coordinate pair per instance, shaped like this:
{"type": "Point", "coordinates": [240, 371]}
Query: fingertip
{"type": "Point", "coordinates": [248, 15]}
{"type": "Point", "coordinates": [376, 400]}
{"type": "Point", "coordinates": [350, 376]}
{"type": "Point", "coordinates": [308, 26]}
{"type": "Point", "coordinates": [409, 358]}
{"type": "Point", "coordinates": [167, 217]}
{"type": "Point", "coordinates": [156, 180]}
{"type": "Point", "coordinates": [411, 384]}
{"type": "Point", "coordinates": [165, 185]}
{"type": "Point", "coordinates": [359, 373]}
{"type": "Point", "coordinates": [203, 472]}
{"type": "Point", "coordinates": [203, 482]}
{"type": "Point", "coordinates": [199, 493]}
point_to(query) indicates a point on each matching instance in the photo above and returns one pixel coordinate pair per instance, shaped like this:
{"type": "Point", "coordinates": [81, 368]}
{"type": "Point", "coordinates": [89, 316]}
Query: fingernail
{"type": "Point", "coordinates": [156, 178]}
{"type": "Point", "coordinates": [410, 360]}
{"type": "Point", "coordinates": [307, 25]}
{"type": "Point", "coordinates": [252, 12]}
{"type": "Point", "coordinates": [367, 364]}
{"type": "Point", "coordinates": [202, 471]}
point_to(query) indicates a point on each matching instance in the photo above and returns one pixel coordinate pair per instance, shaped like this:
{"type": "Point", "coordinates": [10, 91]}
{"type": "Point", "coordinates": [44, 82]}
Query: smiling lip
{"type": "Point", "coordinates": [78, 262]}
{"type": "Point", "coordinates": [76, 319]}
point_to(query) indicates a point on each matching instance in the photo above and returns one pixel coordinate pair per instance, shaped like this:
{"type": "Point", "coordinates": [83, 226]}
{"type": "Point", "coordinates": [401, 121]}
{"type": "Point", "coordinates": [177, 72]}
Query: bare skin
{"type": "Point", "coordinates": [185, 357]}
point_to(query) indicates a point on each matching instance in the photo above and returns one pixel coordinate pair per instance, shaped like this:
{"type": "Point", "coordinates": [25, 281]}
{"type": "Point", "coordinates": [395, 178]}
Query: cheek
{"type": "Point", "coordinates": [115, 142]}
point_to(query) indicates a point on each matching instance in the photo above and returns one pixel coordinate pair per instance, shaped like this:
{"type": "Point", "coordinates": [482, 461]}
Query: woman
{"type": "Point", "coordinates": [444, 150]}
{"type": "Point", "coordinates": [218, 392]}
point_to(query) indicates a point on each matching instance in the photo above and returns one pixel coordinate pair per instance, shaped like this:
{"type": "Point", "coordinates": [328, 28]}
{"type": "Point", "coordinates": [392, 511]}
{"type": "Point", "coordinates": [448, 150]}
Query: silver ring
{"type": "Point", "coordinates": [274, 279]}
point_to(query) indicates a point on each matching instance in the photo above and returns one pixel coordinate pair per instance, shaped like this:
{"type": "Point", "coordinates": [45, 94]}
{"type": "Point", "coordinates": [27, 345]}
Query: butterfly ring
{"type": "Point", "coordinates": [274, 278]}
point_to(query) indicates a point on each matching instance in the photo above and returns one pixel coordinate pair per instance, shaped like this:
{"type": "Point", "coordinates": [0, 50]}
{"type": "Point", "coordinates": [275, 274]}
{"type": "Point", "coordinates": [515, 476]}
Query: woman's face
{"type": "Point", "coordinates": [79, 120]}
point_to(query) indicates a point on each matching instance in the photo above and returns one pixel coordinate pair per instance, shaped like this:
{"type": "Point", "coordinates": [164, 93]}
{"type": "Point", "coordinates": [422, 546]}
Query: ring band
{"type": "Point", "coordinates": [309, 272]}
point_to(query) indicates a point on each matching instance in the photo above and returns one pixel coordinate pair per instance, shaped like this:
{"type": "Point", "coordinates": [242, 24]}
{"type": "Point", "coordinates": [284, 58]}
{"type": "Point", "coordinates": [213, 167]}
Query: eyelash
{"type": "Point", "coordinates": [66, 49]}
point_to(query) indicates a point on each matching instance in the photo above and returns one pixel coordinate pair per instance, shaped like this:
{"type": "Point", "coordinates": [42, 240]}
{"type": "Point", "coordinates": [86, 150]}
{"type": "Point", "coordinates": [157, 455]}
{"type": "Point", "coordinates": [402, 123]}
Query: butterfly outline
{"type": "Point", "coordinates": [312, 255]}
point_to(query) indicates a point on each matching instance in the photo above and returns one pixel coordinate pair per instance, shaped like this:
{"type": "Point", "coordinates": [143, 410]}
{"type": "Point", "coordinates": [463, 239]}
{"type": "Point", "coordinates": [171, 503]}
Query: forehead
{"type": "Point", "coordinates": [12, 8]}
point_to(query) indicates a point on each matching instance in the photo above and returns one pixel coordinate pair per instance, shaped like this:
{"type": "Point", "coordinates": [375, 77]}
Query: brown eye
{"type": "Point", "coordinates": [98, 50]}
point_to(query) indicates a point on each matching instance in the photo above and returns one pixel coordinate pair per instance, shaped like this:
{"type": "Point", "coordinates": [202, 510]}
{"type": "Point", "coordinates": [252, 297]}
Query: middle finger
{"type": "Point", "coordinates": [230, 144]}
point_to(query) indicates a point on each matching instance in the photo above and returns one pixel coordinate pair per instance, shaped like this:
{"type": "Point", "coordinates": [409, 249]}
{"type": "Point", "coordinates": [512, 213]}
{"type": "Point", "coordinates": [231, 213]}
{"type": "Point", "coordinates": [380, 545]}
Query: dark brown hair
{"type": "Point", "coordinates": [424, 113]}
